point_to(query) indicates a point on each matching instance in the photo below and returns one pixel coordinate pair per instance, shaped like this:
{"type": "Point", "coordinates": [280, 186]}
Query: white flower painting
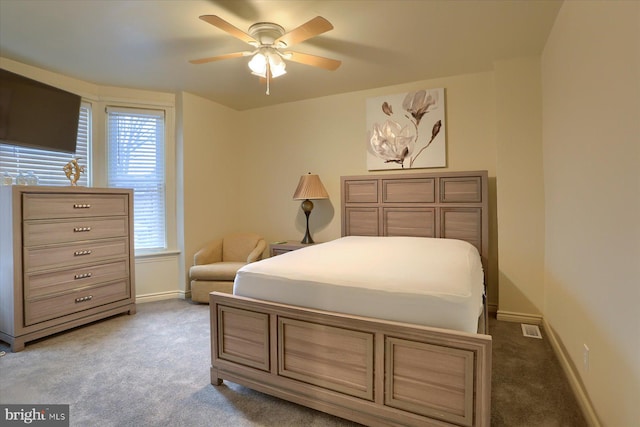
{"type": "Point", "coordinates": [406, 131]}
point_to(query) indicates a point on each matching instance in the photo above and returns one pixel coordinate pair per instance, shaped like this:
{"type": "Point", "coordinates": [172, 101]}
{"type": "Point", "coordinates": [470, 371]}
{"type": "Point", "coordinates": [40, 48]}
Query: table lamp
{"type": "Point", "coordinates": [309, 187]}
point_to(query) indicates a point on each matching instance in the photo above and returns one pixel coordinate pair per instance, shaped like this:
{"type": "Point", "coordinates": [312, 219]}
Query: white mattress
{"type": "Point", "coordinates": [433, 282]}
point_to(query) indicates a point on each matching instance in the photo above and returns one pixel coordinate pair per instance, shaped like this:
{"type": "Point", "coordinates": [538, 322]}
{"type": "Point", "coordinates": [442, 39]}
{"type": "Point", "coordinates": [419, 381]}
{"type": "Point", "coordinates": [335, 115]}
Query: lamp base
{"type": "Point", "coordinates": [307, 238]}
{"type": "Point", "coordinates": [307, 206]}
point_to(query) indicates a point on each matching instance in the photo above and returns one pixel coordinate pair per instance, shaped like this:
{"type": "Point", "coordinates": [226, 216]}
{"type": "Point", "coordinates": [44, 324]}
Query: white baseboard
{"type": "Point", "coordinates": [159, 296]}
{"type": "Point", "coordinates": [510, 316]}
{"type": "Point", "coordinates": [574, 380]}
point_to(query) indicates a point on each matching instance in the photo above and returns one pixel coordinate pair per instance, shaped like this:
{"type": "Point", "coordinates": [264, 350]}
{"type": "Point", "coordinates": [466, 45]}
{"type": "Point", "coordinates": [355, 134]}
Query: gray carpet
{"type": "Point", "coordinates": [152, 369]}
{"type": "Point", "coordinates": [529, 387]}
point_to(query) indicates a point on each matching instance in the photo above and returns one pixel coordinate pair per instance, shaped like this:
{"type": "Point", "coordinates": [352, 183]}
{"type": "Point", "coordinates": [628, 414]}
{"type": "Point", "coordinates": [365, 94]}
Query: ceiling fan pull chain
{"type": "Point", "coordinates": [268, 75]}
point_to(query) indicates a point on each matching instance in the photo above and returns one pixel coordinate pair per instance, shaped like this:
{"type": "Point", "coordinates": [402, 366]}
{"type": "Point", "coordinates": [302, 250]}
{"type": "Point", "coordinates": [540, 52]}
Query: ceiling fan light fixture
{"type": "Point", "coordinates": [258, 64]}
{"type": "Point", "coordinates": [277, 66]}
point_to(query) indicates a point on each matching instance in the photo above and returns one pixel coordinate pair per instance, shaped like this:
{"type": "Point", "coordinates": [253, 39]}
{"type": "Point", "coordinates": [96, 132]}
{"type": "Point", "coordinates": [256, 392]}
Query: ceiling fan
{"type": "Point", "coordinates": [269, 40]}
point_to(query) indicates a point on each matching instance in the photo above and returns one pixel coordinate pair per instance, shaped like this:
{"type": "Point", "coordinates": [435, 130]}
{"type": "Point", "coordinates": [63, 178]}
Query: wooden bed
{"type": "Point", "coordinates": [372, 371]}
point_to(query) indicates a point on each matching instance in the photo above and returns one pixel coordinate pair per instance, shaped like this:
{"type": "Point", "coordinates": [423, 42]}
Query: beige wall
{"type": "Point", "coordinates": [591, 134]}
{"type": "Point", "coordinates": [493, 123]}
{"type": "Point", "coordinates": [273, 146]}
{"type": "Point", "coordinates": [209, 143]}
{"type": "Point", "coordinates": [520, 187]}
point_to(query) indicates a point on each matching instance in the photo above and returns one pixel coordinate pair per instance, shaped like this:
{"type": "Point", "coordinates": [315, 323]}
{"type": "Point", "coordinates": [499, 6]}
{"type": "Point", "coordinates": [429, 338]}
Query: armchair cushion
{"type": "Point", "coordinates": [216, 271]}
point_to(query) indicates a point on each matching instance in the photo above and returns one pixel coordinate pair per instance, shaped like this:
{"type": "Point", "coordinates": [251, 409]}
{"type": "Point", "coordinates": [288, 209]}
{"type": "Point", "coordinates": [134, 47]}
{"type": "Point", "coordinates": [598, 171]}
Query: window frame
{"type": "Point", "coordinates": [169, 170]}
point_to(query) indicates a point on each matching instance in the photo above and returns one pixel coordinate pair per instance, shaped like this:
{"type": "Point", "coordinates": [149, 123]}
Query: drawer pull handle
{"type": "Point", "coordinates": [81, 229]}
{"type": "Point", "coordinates": [83, 299]}
{"type": "Point", "coordinates": [82, 276]}
{"type": "Point", "coordinates": [80, 253]}
{"type": "Point", "coordinates": [81, 206]}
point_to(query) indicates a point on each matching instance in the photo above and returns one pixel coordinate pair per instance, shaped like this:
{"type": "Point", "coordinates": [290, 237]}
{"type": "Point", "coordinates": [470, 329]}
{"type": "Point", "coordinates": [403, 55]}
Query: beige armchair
{"type": "Point", "coordinates": [215, 266]}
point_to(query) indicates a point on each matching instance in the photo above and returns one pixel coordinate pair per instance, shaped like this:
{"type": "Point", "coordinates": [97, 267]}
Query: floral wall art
{"type": "Point", "coordinates": [406, 131]}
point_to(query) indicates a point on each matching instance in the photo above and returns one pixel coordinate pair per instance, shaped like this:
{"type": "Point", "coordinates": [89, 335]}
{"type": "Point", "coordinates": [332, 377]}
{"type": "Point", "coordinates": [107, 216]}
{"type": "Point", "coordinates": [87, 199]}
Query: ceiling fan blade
{"type": "Point", "coordinates": [315, 61]}
{"type": "Point", "coordinates": [216, 21]}
{"type": "Point", "coordinates": [312, 28]}
{"type": "Point", "coordinates": [218, 58]}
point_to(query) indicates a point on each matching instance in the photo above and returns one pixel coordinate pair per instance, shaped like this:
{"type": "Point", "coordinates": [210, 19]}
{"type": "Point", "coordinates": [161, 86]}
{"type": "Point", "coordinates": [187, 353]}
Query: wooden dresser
{"type": "Point", "coordinates": [66, 259]}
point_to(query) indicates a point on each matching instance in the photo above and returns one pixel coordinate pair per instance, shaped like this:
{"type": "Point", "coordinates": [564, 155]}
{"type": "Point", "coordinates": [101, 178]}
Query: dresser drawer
{"type": "Point", "coordinates": [38, 258]}
{"type": "Point", "coordinates": [275, 252]}
{"type": "Point", "coordinates": [49, 206]}
{"type": "Point", "coordinates": [74, 230]}
{"type": "Point", "coordinates": [69, 279]}
{"type": "Point", "coordinates": [286, 246]}
{"type": "Point", "coordinates": [43, 309]}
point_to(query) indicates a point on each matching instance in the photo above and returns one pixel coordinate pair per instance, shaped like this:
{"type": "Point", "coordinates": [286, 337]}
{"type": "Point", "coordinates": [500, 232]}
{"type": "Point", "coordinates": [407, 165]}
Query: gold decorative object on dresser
{"type": "Point", "coordinates": [73, 170]}
{"type": "Point", "coordinates": [66, 258]}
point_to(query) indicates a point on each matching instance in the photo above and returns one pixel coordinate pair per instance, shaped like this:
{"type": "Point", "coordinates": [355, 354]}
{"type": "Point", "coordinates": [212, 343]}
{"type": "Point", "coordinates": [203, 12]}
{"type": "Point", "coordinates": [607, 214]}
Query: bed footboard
{"type": "Point", "coordinates": [370, 371]}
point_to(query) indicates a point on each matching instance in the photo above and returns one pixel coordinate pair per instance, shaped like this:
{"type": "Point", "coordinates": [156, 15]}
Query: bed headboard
{"type": "Point", "coordinates": [447, 204]}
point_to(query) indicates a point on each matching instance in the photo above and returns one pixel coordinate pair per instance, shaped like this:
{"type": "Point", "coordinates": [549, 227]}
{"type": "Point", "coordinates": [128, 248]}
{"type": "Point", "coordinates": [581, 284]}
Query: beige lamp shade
{"type": "Point", "coordinates": [310, 187]}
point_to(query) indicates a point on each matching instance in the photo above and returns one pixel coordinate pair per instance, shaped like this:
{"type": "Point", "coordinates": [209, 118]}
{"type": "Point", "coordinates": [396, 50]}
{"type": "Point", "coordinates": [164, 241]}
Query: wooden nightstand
{"type": "Point", "coordinates": [287, 246]}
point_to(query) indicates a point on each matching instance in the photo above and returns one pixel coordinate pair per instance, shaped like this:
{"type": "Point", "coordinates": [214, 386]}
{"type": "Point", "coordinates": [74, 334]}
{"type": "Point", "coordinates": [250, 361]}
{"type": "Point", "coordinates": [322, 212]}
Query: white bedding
{"type": "Point", "coordinates": [427, 281]}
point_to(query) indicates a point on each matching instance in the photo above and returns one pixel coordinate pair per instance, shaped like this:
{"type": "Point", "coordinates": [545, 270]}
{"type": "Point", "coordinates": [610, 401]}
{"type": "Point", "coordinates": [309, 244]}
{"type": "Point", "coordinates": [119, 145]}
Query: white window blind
{"type": "Point", "coordinates": [135, 140]}
{"type": "Point", "coordinates": [48, 165]}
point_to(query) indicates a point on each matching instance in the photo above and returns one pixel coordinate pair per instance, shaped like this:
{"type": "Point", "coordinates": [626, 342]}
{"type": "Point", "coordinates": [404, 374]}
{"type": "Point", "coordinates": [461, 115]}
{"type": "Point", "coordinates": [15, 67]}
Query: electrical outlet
{"type": "Point", "coordinates": [585, 357]}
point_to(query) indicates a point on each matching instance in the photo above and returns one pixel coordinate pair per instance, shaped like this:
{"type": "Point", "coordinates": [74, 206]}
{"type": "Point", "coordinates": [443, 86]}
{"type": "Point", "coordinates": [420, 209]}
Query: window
{"type": "Point", "coordinates": [45, 164]}
{"type": "Point", "coordinates": [135, 146]}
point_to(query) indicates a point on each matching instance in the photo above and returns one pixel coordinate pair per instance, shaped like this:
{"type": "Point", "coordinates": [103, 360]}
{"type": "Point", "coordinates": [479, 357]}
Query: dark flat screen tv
{"type": "Point", "coordinates": [37, 115]}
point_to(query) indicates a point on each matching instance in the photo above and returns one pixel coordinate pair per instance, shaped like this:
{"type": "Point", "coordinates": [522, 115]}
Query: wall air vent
{"type": "Point", "coordinates": [531, 331]}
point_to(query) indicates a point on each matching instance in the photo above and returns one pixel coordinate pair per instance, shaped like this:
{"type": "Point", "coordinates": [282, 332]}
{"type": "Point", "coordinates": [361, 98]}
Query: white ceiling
{"type": "Point", "coordinates": [146, 44]}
